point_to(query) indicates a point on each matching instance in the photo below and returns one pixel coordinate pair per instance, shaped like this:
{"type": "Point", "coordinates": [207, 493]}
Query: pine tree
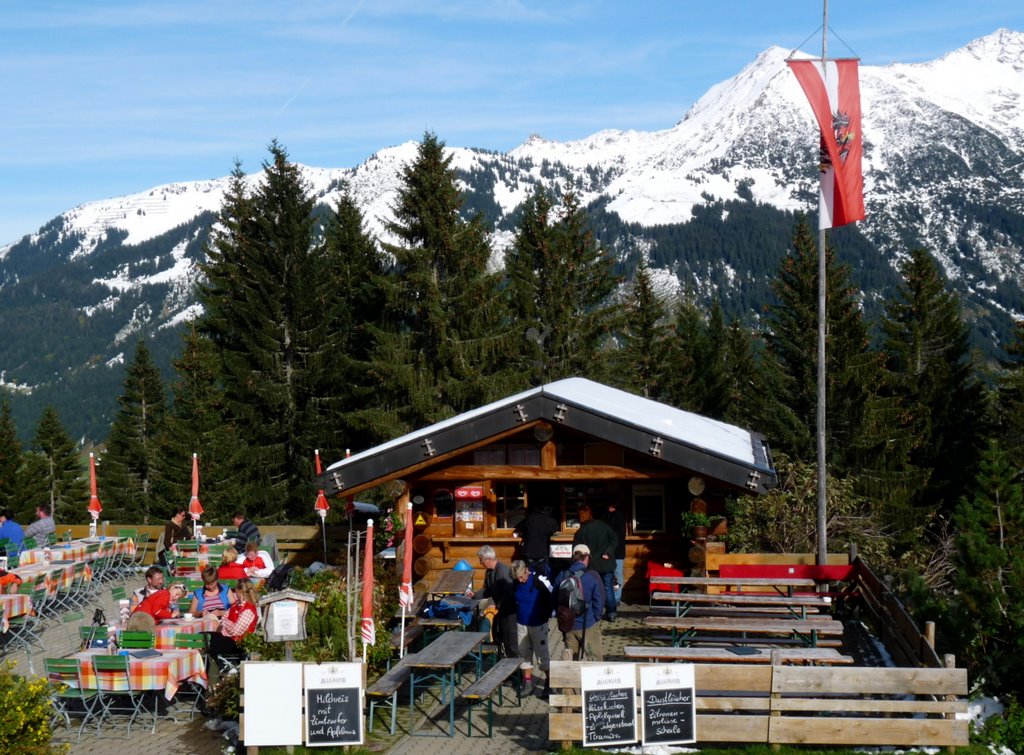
{"type": "Point", "coordinates": [990, 574]}
{"type": "Point", "coordinates": [560, 283]}
{"type": "Point", "coordinates": [1010, 397]}
{"type": "Point", "coordinates": [269, 285]}
{"type": "Point", "coordinates": [132, 449]}
{"type": "Point", "coordinates": [52, 475]}
{"type": "Point", "coordinates": [684, 387]}
{"type": "Point", "coordinates": [930, 371]}
{"type": "Point", "coordinates": [792, 343]}
{"type": "Point", "coordinates": [10, 455]}
{"type": "Point", "coordinates": [197, 424]}
{"type": "Point", "coordinates": [643, 351]}
{"type": "Point", "coordinates": [444, 346]}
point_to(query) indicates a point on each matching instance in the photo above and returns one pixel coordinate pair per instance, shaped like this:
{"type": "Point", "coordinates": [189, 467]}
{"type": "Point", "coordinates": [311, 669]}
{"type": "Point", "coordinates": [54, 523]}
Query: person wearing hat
{"type": "Point", "coordinates": [584, 641]}
{"type": "Point", "coordinates": [602, 542]}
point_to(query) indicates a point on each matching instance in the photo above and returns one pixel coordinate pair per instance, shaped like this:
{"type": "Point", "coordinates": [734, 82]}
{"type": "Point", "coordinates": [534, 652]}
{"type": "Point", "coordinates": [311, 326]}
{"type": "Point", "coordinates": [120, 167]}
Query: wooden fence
{"type": "Point", "coordinates": [297, 545]}
{"type": "Point", "coordinates": [776, 704]}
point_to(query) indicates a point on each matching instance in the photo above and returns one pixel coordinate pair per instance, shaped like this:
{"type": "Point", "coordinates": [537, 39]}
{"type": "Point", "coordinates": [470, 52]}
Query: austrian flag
{"type": "Point", "coordinates": [833, 90]}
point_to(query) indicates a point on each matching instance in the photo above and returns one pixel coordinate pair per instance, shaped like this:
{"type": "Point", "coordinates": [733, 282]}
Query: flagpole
{"type": "Point", "coordinates": [822, 555]}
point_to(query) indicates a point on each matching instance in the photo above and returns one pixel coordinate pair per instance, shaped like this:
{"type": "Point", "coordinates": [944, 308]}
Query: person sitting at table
{"type": "Point", "coordinates": [11, 530]}
{"type": "Point", "coordinates": [154, 583]}
{"type": "Point", "coordinates": [248, 532]}
{"type": "Point", "coordinates": [240, 620]}
{"type": "Point", "coordinates": [257, 563]}
{"type": "Point", "coordinates": [43, 527]}
{"type": "Point", "coordinates": [230, 565]}
{"type": "Point", "coordinates": [174, 531]}
{"type": "Point", "coordinates": [158, 606]}
{"type": "Point", "coordinates": [212, 598]}
{"type": "Point", "coordinates": [533, 609]}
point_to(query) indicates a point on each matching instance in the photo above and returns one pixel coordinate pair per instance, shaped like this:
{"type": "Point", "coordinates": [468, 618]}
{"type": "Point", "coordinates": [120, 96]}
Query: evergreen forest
{"type": "Point", "coordinates": [315, 335]}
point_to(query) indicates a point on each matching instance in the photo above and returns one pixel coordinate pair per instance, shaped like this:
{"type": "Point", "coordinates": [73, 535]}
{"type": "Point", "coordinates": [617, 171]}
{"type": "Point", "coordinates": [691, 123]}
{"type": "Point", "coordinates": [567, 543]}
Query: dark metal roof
{"type": "Point", "coordinates": [715, 450]}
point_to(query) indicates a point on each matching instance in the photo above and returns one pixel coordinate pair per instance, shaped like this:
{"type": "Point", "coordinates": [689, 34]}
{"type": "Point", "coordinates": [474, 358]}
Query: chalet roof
{"type": "Point", "coordinates": [704, 446]}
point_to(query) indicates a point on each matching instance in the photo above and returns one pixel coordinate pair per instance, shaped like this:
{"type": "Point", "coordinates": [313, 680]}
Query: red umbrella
{"type": "Point", "coordinates": [195, 508]}
{"type": "Point", "coordinates": [95, 507]}
{"type": "Point", "coordinates": [405, 589]}
{"type": "Point", "coordinates": [321, 506]}
{"type": "Point", "coordinates": [368, 630]}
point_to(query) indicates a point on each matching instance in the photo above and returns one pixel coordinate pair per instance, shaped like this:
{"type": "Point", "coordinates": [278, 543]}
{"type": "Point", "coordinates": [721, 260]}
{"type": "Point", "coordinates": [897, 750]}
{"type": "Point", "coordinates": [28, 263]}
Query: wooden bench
{"type": "Point", "coordinates": [484, 689]}
{"type": "Point", "coordinates": [805, 705]}
{"type": "Point", "coordinates": [797, 605]}
{"type": "Point", "coordinates": [809, 631]}
{"type": "Point", "coordinates": [822, 574]}
{"type": "Point", "coordinates": [387, 686]}
{"type": "Point", "coordinates": [401, 641]}
{"type": "Point", "coordinates": [813, 656]}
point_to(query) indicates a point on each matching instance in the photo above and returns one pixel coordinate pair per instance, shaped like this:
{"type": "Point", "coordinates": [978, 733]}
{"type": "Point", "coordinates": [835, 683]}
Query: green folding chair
{"type": "Point", "coordinates": [137, 640]}
{"type": "Point", "coordinates": [68, 694]}
{"type": "Point", "coordinates": [190, 690]}
{"type": "Point", "coordinates": [117, 698]}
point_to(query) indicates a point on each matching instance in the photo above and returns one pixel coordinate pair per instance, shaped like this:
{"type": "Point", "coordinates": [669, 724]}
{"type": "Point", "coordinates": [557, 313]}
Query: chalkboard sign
{"type": "Point", "coordinates": [334, 704]}
{"type": "Point", "coordinates": [609, 704]}
{"type": "Point", "coordinates": [667, 704]}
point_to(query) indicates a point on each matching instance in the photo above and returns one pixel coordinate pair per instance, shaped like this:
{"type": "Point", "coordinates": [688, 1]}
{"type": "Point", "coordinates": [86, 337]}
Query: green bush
{"type": "Point", "coordinates": [25, 714]}
{"type": "Point", "coordinates": [1006, 731]}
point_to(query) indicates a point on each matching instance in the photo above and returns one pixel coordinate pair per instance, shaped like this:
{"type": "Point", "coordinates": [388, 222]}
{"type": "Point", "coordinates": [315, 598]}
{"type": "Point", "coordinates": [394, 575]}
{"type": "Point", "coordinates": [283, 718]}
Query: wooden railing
{"type": "Point", "coordinates": [297, 545]}
{"type": "Point", "coordinates": [782, 705]}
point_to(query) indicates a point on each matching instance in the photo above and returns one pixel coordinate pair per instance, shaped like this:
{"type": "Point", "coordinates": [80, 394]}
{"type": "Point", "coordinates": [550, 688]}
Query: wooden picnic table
{"type": "Point", "coordinates": [165, 671]}
{"type": "Point", "coordinates": [452, 582]}
{"type": "Point", "coordinates": [438, 661]}
{"type": "Point", "coordinates": [812, 656]}
{"type": "Point", "coordinates": [799, 606]}
{"type": "Point", "coordinates": [685, 629]}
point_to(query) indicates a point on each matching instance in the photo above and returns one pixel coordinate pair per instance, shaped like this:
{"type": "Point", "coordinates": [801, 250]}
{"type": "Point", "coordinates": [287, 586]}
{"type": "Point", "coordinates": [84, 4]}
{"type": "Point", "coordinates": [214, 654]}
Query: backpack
{"type": "Point", "coordinates": [280, 577]}
{"type": "Point", "coordinates": [570, 601]}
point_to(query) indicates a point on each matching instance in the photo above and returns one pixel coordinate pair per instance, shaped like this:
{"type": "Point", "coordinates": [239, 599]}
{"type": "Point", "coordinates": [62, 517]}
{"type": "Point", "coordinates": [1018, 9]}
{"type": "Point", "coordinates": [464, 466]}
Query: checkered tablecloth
{"type": "Point", "coordinates": [166, 630]}
{"type": "Point", "coordinates": [77, 550]}
{"type": "Point", "coordinates": [56, 576]}
{"type": "Point", "coordinates": [165, 672]}
{"type": "Point", "coordinates": [14, 605]}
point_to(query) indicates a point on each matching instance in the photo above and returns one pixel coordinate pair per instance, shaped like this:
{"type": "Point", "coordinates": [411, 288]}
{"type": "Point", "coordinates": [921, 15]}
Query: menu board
{"type": "Point", "coordinates": [609, 703]}
{"type": "Point", "coordinates": [667, 704]}
{"type": "Point", "coordinates": [334, 703]}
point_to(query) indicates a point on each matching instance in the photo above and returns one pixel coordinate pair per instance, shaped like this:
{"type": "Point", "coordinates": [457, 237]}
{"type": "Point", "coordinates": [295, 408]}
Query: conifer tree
{"type": "Point", "coordinates": [132, 451]}
{"type": "Point", "coordinates": [197, 424]}
{"type": "Point", "coordinates": [444, 347]}
{"type": "Point", "coordinates": [270, 283]}
{"type": "Point", "coordinates": [990, 574]}
{"type": "Point", "coordinates": [683, 385]}
{"type": "Point", "coordinates": [52, 475]}
{"type": "Point", "coordinates": [930, 371]}
{"type": "Point", "coordinates": [559, 287]}
{"type": "Point", "coordinates": [643, 351]}
{"type": "Point", "coordinates": [10, 454]}
{"type": "Point", "coordinates": [1010, 397]}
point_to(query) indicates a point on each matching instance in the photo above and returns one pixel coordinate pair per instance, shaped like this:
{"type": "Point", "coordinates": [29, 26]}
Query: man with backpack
{"type": "Point", "coordinates": [579, 606]}
{"type": "Point", "coordinates": [602, 542]}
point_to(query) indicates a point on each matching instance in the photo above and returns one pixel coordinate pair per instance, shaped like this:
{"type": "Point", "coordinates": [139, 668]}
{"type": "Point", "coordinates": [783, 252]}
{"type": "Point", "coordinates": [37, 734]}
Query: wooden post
{"type": "Point", "coordinates": [929, 633]}
{"type": "Point", "coordinates": [949, 661]}
{"type": "Point", "coordinates": [289, 656]}
{"type": "Point", "coordinates": [775, 696]}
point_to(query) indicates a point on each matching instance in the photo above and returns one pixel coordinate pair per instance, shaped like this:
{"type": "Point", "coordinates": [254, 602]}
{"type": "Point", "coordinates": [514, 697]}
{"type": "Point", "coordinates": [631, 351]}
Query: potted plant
{"type": "Point", "coordinates": [696, 523]}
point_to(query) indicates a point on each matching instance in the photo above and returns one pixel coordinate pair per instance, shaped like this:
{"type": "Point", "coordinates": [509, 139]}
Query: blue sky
{"type": "Point", "coordinates": [103, 97]}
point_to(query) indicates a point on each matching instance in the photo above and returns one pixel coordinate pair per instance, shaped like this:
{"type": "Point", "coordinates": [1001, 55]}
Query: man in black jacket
{"type": "Point", "coordinates": [247, 531]}
{"type": "Point", "coordinates": [499, 587]}
{"type": "Point", "coordinates": [617, 521]}
{"type": "Point", "coordinates": [602, 541]}
{"type": "Point", "coordinates": [536, 531]}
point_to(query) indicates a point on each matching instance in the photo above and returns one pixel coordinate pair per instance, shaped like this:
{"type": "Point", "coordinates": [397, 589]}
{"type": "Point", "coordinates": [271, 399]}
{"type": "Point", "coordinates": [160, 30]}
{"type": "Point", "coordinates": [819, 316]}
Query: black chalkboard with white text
{"type": "Point", "coordinates": [667, 704]}
{"type": "Point", "coordinates": [334, 704]}
{"type": "Point", "coordinates": [609, 704]}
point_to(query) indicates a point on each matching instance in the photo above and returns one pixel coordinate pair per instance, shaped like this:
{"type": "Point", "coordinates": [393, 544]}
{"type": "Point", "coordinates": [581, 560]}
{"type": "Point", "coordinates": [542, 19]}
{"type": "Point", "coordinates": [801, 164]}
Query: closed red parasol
{"type": "Point", "coordinates": [95, 507]}
{"type": "Point", "coordinates": [367, 628]}
{"type": "Point", "coordinates": [195, 508]}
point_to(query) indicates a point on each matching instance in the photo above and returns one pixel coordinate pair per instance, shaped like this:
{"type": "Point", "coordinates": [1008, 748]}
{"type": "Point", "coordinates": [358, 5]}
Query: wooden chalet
{"type": "Point", "coordinates": [472, 478]}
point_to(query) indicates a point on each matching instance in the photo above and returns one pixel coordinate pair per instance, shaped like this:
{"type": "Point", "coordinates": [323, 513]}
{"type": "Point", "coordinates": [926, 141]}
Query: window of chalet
{"type": "Point", "coordinates": [516, 454]}
{"type": "Point", "coordinates": [648, 508]}
{"type": "Point", "coordinates": [444, 503]}
{"type": "Point", "coordinates": [509, 505]}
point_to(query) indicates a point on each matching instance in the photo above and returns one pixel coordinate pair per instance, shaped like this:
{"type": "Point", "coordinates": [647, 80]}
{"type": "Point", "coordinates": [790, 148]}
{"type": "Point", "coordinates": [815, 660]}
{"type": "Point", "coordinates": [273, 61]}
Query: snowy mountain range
{"type": "Point", "coordinates": [944, 152]}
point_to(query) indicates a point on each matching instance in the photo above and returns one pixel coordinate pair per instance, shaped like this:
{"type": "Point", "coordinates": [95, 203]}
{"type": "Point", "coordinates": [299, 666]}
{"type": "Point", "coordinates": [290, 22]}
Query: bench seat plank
{"type": "Point", "coordinates": [724, 655]}
{"type": "Point", "coordinates": [494, 678]}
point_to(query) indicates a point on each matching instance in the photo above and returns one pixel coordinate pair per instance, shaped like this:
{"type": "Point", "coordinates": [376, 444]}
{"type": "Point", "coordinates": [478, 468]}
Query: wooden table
{"type": "Point", "coordinates": [811, 656]}
{"type": "Point", "coordinates": [797, 606]}
{"type": "Point", "coordinates": [452, 582]}
{"type": "Point", "coordinates": [438, 661]}
{"type": "Point", "coordinates": [12, 606]}
{"type": "Point", "coordinates": [168, 629]}
{"type": "Point", "coordinates": [57, 575]}
{"type": "Point", "coordinates": [166, 671]}
{"type": "Point", "coordinates": [685, 629]}
{"type": "Point", "coordinates": [78, 550]}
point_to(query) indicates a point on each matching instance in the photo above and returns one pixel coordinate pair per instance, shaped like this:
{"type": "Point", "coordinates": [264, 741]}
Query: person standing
{"type": "Point", "coordinates": [248, 532]}
{"type": "Point", "coordinates": [535, 531]}
{"type": "Point", "coordinates": [601, 541]}
{"type": "Point", "coordinates": [174, 531]}
{"type": "Point", "coordinates": [533, 610]}
{"type": "Point", "coordinates": [615, 519]}
{"type": "Point", "coordinates": [42, 527]}
{"type": "Point", "coordinates": [583, 639]}
{"type": "Point", "coordinates": [498, 586]}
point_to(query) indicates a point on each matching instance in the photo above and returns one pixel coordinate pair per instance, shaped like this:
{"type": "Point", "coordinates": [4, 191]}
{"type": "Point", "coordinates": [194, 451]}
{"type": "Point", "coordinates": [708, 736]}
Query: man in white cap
{"type": "Point", "coordinates": [579, 600]}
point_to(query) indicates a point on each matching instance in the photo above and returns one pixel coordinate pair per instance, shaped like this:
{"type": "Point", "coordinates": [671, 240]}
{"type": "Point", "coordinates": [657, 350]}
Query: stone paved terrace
{"type": "Point", "coordinates": [516, 730]}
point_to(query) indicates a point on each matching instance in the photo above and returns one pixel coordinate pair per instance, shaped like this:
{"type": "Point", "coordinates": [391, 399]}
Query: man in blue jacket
{"type": "Point", "coordinates": [583, 641]}
{"type": "Point", "coordinates": [11, 530]}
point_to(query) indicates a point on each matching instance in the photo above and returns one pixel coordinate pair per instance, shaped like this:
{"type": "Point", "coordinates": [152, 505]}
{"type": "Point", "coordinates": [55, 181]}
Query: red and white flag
{"type": "Point", "coordinates": [367, 629]}
{"type": "Point", "coordinates": [833, 90]}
